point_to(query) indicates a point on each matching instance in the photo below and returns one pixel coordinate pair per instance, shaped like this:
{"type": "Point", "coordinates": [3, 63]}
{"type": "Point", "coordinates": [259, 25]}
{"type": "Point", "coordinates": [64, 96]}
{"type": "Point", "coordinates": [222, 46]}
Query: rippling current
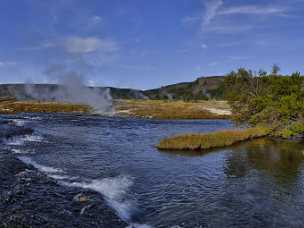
{"type": "Point", "coordinates": [254, 184]}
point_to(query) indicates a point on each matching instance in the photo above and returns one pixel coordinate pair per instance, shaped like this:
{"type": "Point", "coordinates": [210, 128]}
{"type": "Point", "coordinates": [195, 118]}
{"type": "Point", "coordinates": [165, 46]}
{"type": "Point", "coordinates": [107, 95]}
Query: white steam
{"type": "Point", "coordinates": [71, 89]}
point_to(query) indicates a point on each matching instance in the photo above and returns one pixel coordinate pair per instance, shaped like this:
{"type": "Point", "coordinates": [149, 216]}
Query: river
{"type": "Point", "coordinates": [254, 184]}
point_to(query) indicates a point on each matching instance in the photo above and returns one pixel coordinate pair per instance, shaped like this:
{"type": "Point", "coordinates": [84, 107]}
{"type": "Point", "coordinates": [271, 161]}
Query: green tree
{"type": "Point", "coordinates": [261, 99]}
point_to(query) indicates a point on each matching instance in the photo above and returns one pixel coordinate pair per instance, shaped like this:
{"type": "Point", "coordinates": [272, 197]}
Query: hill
{"type": "Point", "coordinates": [202, 88]}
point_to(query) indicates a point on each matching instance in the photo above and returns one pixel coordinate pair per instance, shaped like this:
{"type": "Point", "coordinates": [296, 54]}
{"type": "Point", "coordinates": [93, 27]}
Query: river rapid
{"type": "Point", "coordinates": [92, 171]}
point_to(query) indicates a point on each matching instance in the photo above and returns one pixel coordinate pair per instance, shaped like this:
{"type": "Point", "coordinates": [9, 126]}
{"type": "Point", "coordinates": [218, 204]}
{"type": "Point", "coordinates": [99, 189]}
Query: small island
{"type": "Point", "coordinates": [211, 140]}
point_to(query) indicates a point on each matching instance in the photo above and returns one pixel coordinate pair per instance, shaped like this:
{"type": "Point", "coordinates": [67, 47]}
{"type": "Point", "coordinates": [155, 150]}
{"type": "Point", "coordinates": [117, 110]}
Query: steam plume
{"type": "Point", "coordinates": [72, 89]}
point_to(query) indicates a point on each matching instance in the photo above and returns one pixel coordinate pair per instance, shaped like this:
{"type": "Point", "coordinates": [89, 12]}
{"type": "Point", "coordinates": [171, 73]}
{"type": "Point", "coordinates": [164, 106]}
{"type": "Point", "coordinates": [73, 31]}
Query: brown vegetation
{"type": "Point", "coordinates": [162, 109]}
{"type": "Point", "coordinates": [10, 106]}
{"type": "Point", "coordinates": [211, 140]}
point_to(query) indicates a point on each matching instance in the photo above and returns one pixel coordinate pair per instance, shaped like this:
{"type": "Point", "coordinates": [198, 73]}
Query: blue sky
{"type": "Point", "coordinates": [145, 44]}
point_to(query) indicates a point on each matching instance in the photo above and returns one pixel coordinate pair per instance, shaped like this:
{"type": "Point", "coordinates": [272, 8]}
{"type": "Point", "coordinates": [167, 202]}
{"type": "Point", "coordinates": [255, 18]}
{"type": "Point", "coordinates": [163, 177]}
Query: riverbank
{"type": "Point", "coordinates": [211, 140]}
{"type": "Point", "coordinates": [29, 198]}
{"type": "Point", "coordinates": [152, 109]}
{"type": "Point", "coordinates": [11, 106]}
{"type": "Point", "coordinates": [164, 109]}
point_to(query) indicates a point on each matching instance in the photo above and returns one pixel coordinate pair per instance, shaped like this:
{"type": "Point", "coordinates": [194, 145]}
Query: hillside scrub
{"type": "Point", "coordinates": [211, 140]}
{"type": "Point", "coordinates": [273, 100]}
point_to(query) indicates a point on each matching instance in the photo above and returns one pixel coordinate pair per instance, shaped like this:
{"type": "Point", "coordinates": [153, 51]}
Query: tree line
{"type": "Point", "coordinates": [268, 99]}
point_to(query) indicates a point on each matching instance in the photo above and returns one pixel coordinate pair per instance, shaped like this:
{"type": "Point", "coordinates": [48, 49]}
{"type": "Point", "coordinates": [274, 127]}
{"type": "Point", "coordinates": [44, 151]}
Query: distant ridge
{"type": "Point", "coordinates": [202, 88]}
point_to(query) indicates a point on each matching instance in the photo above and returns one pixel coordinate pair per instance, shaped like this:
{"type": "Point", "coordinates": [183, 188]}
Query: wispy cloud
{"type": "Point", "coordinates": [92, 23]}
{"type": "Point", "coordinates": [252, 9]}
{"type": "Point", "coordinates": [80, 45]}
{"type": "Point", "coordinates": [217, 8]}
{"type": "Point", "coordinates": [229, 44]}
{"type": "Point", "coordinates": [228, 29]}
{"type": "Point", "coordinates": [204, 46]}
{"type": "Point", "coordinates": [42, 46]}
{"type": "Point", "coordinates": [7, 63]}
{"type": "Point", "coordinates": [190, 20]}
{"type": "Point", "coordinates": [213, 64]}
{"type": "Point", "coordinates": [95, 20]}
{"type": "Point", "coordinates": [211, 8]}
{"type": "Point", "coordinates": [238, 58]}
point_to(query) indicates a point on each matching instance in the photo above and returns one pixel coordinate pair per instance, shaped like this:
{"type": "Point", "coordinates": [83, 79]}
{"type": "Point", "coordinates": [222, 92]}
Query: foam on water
{"type": "Point", "coordinates": [33, 138]}
{"type": "Point", "coordinates": [19, 151]}
{"type": "Point", "coordinates": [136, 225]}
{"type": "Point", "coordinates": [19, 122]}
{"type": "Point", "coordinates": [19, 141]}
{"type": "Point", "coordinates": [114, 190]}
{"type": "Point", "coordinates": [33, 118]}
{"type": "Point", "coordinates": [62, 177]}
{"type": "Point", "coordinates": [42, 168]}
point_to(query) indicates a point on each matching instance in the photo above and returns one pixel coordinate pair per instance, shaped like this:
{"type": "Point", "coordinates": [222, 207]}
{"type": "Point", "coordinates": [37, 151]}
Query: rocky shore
{"type": "Point", "coordinates": [29, 198]}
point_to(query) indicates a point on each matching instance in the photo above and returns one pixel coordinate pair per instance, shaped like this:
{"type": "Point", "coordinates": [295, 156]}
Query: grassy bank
{"type": "Point", "coordinates": [12, 106]}
{"type": "Point", "coordinates": [162, 109]}
{"type": "Point", "coordinates": [211, 140]}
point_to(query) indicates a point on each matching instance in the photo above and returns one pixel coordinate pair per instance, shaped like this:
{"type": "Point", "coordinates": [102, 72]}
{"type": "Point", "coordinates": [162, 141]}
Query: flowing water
{"type": "Point", "coordinates": [254, 184]}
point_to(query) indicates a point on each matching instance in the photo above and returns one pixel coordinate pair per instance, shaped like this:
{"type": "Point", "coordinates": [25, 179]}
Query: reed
{"type": "Point", "coordinates": [211, 140]}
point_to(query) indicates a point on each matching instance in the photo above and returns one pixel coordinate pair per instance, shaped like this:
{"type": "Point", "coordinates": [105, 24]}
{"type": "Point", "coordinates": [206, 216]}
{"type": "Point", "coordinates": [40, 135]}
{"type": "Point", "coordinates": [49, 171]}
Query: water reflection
{"type": "Point", "coordinates": [279, 158]}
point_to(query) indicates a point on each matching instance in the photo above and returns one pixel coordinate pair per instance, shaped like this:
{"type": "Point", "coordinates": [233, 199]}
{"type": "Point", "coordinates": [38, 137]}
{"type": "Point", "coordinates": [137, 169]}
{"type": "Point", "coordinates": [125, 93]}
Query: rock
{"type": "Point", "coordinates": [83, 210]}
{"type": "Point", "coordinates": [81, 198]}
{"type": "Point", "coordinates": [23, 173]}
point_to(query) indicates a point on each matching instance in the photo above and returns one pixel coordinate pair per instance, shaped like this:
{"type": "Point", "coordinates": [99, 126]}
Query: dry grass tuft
{"type": "Point", "coordinates": [211, 140]}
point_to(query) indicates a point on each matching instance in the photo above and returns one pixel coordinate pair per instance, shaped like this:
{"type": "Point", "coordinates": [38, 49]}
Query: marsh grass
{"type": "Point", "coordinates": [211, 140]}
{"type": "Point", "coordinates": [11, 107]}
{"type": "Point", "coordinates": [162, 109]}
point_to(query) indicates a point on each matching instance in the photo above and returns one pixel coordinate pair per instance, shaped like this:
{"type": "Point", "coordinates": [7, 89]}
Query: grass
{"type": "Point", "coordinates": [211, 140]}
{"type": "Point", "coordinates": [13, 106]}
{"type": "Point", "coordinates": [161, 109]}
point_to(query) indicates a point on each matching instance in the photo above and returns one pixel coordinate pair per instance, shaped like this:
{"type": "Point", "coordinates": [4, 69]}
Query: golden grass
{"type": "Point", "coordinates": [11, 107]}
{"type": "Point", "coordinates": [160, 109]}
{"type": "Point", "coordinates": [211, 140]}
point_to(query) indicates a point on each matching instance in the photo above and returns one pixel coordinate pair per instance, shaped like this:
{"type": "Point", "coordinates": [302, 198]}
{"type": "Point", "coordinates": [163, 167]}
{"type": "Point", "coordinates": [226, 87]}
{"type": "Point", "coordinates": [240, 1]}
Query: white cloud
{"type": "Point", "coordinates": [79, 45]}
{"type": "Point", "coordinates": [251, 9]}
{"type": "Point", "coordinates": [211, 8]}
